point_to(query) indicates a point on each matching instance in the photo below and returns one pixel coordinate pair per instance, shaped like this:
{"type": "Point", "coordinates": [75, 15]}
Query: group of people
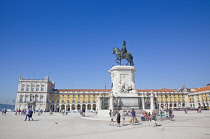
{"type": "Point", "coordinates": [112, 114]}
{"type": "Point", "coordinates": [133, 119]}
{"type": "Point", "coordinates": [29, 114]}
{"type": "Point", "coordinates": [4, 111]}
{"type": "Point", "coordinates": [168, 114]}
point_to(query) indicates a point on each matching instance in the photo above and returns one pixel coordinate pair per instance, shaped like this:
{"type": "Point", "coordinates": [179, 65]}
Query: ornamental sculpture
{"type": "Point", "coordinates": [123, 54]}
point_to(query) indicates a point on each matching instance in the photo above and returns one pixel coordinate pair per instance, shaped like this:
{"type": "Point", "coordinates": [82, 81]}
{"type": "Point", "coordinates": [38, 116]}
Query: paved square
{"type": "Point", "coordinates": [184, 126]}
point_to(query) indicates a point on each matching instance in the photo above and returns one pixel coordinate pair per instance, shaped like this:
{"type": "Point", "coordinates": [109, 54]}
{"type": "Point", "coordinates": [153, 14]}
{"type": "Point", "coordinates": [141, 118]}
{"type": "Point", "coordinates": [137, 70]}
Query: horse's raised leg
{"type": "Point", "coordinates": [117, 61]}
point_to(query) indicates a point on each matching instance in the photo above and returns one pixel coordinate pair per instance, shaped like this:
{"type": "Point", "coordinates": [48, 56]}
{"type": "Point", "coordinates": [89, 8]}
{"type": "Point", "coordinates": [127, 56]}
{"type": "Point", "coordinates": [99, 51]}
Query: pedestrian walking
{"type": "Point", "coordinates": [154, 119]}
{"type": "Point", "coordinates": [161, 115]}
{"type": "Point", "coordinates": [118, 119]}
{"type": "Point", "coordinates": [83, 112]}
{"type": "Point", "coordinates": [111, 114]}
{"type": "Point", "coordinates": [170, 112]}
{"type": "Point", "coordinates": [5, 111]}
{"type": "Point", "coordinates": [30, 113]}
{"type": "Point", "coordinates": [133, 115]}
{"type": "Point", "coordinates": [27, 115]}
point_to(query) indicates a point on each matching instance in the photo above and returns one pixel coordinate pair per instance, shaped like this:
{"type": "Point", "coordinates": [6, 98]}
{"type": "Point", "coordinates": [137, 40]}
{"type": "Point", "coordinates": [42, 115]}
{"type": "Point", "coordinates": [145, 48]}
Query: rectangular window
{"type": "Point", "coordinates": [37, 88]}
{"type": "Point", "coordinates": [22, 89]}
{"type": "Point", "coordinates": [42, 88]}
{"type": "Point", "coordinates": [27, 88]}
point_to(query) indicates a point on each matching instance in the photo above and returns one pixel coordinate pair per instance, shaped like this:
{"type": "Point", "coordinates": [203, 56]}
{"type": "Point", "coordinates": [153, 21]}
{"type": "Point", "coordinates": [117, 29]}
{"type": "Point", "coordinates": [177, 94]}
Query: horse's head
{"type": "Point", "coordinates": [113, 50]}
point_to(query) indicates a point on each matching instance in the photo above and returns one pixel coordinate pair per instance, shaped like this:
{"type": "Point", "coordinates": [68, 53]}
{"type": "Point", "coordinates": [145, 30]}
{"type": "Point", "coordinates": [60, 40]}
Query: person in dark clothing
{"type": "Point", "coordinates": [118, 118]}
{"type": "Point", "coordinates": [83, 112]}
{"type": "Point", "coordinates": [30, 113]}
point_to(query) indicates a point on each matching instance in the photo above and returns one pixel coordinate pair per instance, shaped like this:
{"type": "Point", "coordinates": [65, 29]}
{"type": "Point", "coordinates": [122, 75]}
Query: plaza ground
{"type": "Point", "coordinates": [184, 126]}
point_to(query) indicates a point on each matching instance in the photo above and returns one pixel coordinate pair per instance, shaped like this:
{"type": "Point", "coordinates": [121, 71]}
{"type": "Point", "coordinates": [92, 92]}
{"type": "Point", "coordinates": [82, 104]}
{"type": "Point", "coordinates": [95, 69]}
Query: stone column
{"type": "Point", "coordinates": [111, 106]}
{"type": "Point", "coordinates": [152, 106]}
{"type": "Point", "coordinates": [65, 107]}
{"type": "Point", "coordinates": [86, 105]}
{"type": "Point", "coordinates": [142, 99]}
{"type": "Point", "coordinates": [200, 98]}
{"type": "Point", "coordinates": [91, 106]}
{"type": "Point", "coordinates": [59, 107]}
{"type": "Point", "coordinates": [54, 107]}
{"type": "Point", "coordinates": [186, 101]}
{"type": "Point", "coordinates": [70, 106]}
{"type": "Point", "coordinates": [99, 103]}
{"type": "Point", "coordinates": [195, 101]}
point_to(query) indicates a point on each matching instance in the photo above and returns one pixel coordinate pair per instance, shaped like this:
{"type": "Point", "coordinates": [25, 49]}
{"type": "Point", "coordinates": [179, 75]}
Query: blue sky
{"type": "Point", "coordinates": [71, 41]}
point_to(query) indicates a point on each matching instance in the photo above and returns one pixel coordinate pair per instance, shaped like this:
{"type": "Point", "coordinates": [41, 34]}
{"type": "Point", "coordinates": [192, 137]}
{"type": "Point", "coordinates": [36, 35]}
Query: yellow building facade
{"type": "Point", "coordinates": [41, 94]}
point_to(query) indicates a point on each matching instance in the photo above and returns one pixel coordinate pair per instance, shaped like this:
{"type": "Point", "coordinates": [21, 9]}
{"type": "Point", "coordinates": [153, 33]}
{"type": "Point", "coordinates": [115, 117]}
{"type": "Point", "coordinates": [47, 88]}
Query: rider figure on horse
{"type": "Point", "coordinates": [123, 50]}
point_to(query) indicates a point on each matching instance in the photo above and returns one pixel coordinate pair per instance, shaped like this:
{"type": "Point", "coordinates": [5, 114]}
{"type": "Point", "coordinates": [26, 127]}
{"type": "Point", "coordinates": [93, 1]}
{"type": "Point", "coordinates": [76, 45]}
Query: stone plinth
{"type": "Point", "coordinates": [123, 80]}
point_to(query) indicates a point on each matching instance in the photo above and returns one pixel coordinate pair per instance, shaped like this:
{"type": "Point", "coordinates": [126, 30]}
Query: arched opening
{"type": "Point", "coordinates": [89, 107]}
{"type": "Point", "coordinates": [62, 107]}
{"type": "Point", "coordinates": [162, 106]}
{"type": "Point", "coordinates": [68, 107]}
{"type": "Point", "coordinates": [174, 104]}
{"type": "Point", "coordinates": [94, 107]}
{"type": "Point", "coordinates": [170, 105]}
{"type": "Point", "coordinates": [183, 105]}
{"type": "Point", "coordinates": [52, 107]}
{"type": "Point", "coordinates": [83, 106]}
{"type": "Point", "coordinates": [57, 108]}
{"type": "Point", "coordinates": [73, 107]}
{"type": "Point", "coordinates": [78, 106]}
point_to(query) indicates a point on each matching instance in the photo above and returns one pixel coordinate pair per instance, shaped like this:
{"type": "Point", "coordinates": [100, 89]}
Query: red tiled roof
{"type": "Point", "coordinates": [202, 89]}
{"type": "Point", "coordinates": [108, 90]}
{"type": "Point", "coordinates": [157, 90]}
{"type": "Point", "coordinates": [84, 90]}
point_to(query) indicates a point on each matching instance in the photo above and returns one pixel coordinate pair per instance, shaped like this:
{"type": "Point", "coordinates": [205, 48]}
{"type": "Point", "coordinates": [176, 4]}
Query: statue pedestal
{"type": "Point", "coordinates": [123, 80]}
{"type": "Point", "coordinates": [124, 95]}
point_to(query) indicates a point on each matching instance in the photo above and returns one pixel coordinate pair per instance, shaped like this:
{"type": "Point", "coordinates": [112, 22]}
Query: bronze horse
{"type": "Point", "coordinates": [120, 55]}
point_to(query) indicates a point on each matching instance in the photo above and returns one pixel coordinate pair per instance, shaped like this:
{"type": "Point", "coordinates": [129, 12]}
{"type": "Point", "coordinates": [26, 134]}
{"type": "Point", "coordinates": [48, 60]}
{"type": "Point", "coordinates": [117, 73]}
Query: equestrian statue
{"type": "Point", "coordinates": [123, 54]}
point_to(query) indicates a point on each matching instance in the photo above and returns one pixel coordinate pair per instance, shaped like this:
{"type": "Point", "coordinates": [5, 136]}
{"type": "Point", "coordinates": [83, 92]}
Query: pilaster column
{"type": "Point", "coordinates": [70, 106]}
{"type": "Point", "coordinates": [111, 106]}
{"type": "Point", "coordinates": [200, 98]}
{"type": "Point", "coordinates": [142, 100]}
{"type": "Point", "coordinates": [91, 106]}
{"type": "Point", "coordinates": [99, 103]}
{"type": "Point", "coordinates": [195, 101]}
{"type": "Point", "coordinates": [186, 101]}
{"type": "Point", "coordinates": [54, 107]}
{"type": "Point", "coordinates": [59, 107]}
{"type": "Point", "coordinates": [152, 102]}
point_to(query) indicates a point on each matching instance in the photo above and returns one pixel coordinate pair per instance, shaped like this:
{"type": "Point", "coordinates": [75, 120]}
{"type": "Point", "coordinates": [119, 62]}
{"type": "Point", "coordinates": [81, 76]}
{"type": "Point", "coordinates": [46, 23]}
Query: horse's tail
{"type": "Point", "coordinates": [130, 59]}
{"type": "Point", "coordinates": [132, 63]}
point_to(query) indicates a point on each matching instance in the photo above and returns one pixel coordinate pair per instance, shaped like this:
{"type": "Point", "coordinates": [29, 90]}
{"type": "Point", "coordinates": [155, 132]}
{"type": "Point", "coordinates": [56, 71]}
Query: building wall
{"type": "Point", "coordinates": [40, 94]}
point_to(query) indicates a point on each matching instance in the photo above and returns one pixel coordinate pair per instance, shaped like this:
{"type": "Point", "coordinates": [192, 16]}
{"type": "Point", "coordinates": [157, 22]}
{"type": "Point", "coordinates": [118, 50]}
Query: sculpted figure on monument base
{"type": "Point", "coordinates": [126, 87]}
